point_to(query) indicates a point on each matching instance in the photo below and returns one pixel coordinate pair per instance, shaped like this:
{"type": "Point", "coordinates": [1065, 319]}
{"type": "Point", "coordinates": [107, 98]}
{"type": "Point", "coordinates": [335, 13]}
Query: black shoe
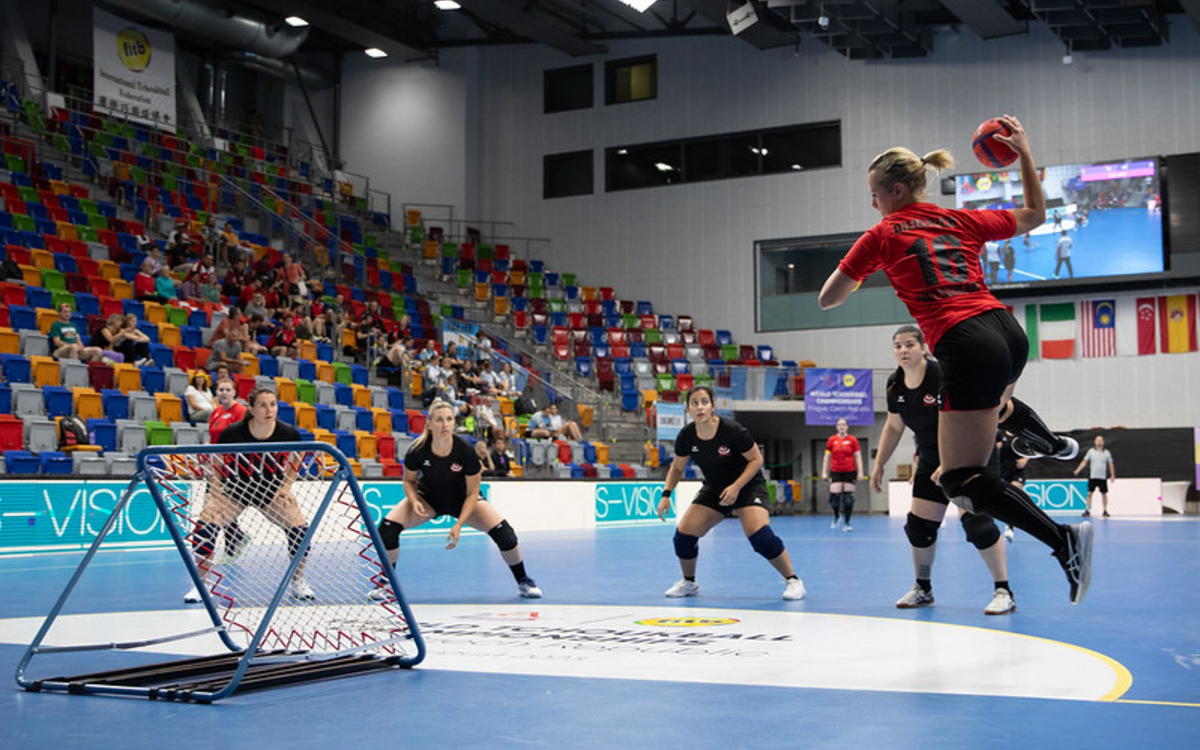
{"type": "Point", "coordinates": [1025, 448]}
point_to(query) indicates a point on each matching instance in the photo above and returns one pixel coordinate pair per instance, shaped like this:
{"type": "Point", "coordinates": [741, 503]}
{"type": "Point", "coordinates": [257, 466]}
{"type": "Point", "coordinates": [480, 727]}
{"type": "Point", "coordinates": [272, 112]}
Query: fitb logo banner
{"type": "Point", "coordinates": [830, 395]}
{"type": "Point", "coordinates": [134, 70]}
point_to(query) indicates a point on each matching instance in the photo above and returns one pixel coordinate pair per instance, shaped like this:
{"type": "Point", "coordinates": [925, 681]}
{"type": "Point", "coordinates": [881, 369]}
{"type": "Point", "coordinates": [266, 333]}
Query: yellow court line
{"type": "Point", "coordinates": [1158, 703]}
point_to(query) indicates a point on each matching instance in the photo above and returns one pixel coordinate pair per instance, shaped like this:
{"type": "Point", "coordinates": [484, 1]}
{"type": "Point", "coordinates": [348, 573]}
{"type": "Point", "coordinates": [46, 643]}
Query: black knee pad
{"type": "Point", "coordinates": [922, 532]}
{"type": "Point", "coordinates": [981, 530]}
{"type": "Point", "coordinates": [954, 482]}
{"type": "Point", "coordinates": [766, 543]}
{"type": "Point", "coordinates": [389, 532]}
{"type": "Point", "coordinates": [204, 538]}
{"type": "Point", "coordinates": [848, 500]}
{"type": "Point", "coordinates": [295, 535]}
{"type": "Point", "coordinates": [835, 500]}
{"type": "Point", "coordinates": [687, 547]}
{"type": "Point", "coordinates": [504, 536]}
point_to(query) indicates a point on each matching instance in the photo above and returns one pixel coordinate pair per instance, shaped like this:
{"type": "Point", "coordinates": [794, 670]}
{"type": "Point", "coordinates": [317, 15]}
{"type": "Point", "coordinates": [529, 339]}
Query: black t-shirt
{"type": "Point", "coordinates": [256, 478]}
{"type": "Point", "coordinates": [918, 408]}
{"type": "Point", "coordinates": [502, 464]}
{"type": "Point", "coordinates": [443, 479]}
{"type": "Point", "coordinates": [720, 458]}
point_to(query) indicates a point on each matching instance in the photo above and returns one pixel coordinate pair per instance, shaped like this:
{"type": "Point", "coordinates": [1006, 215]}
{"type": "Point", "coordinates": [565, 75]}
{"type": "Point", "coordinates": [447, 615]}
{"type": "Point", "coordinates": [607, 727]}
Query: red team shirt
{"type": "Point", "coordinates": [841, 452]}
{"type": "Point", "coordinates": [931, 256]}
{"type": "Point", "coordinates": [222, 418]}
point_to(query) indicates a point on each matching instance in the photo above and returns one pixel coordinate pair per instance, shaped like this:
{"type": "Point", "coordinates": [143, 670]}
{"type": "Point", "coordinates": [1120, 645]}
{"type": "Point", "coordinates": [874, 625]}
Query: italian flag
{"type": "Point", "coordinates": [1051, 330]}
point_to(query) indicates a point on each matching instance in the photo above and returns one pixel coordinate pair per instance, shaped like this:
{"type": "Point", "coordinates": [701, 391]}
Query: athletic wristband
{"type": "Point", "coordinates": [667, 493]}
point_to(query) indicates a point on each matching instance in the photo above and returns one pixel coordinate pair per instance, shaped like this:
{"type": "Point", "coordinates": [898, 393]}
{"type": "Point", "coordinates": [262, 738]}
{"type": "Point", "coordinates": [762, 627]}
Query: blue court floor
{"type": "Point", "coordinates": [1115, 242]}
{"type": "Point", "coordinates": [841, 669]}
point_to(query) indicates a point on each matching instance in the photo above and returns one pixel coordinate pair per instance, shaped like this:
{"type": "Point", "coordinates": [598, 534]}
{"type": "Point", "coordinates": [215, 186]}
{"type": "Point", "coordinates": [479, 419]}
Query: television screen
{"type": "Point", "coordinates": [1102, 221]}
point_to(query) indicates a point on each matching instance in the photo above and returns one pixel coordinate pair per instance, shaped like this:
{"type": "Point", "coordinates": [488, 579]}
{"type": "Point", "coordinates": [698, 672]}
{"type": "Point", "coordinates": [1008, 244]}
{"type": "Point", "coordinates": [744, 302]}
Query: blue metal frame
{"type": "Point", "coordinates": [144, 458]}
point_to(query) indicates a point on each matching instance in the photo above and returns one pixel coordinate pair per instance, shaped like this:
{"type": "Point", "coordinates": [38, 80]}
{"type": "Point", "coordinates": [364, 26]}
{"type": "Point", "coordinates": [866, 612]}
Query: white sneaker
{"type": "Point", "coordinates": [233, 549]}
{"type": "Point", "coordinates": [837, 521]}
{"type": "Point", "coordinates": [1076, 559]}
{"type": "Point", "coordinates": [192, 596]}
{"type": "Point", "coordinates": [301, 590]}
{"type": "Point", "coordinates": [682, 587]}
{"type": "Point", "coordinates": [1009, 534]}
{"type": "Point", "coordinates": [794, 590]}
{"type": "Point", "coordinates": [1002, 603]}
{"type": "Point", "coordinates": [917, 597]}
{"type": "Point", "coordinates": [848, 527]}
{"type": "Point", "coordinates": [527, 589]}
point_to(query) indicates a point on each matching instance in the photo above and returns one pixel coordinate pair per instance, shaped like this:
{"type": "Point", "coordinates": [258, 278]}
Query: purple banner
{"type": "Point", "coordinates": [830, 395]}
{"type": "Point", "coordinates": [1117, 171]}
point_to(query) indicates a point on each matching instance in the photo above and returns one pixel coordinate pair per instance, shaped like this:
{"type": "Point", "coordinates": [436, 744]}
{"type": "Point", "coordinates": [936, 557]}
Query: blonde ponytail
{"type": "Point", "coordinates": [900, 165]}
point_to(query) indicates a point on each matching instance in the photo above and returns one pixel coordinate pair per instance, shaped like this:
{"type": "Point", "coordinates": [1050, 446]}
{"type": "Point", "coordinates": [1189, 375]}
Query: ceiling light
{"type": "Point", "coordinates": [664, 167]}
{"type": "Point", "coordinates": [791, 266]}
{"type": "Point", "coordinates": [823, 20]}
{"type": "Point", "coordinates": [375, 52]}
{"type": "Point", "coordinates": [295, 21]}
{"type": "Point", "coordinates": [1067, 57]}
{"type": "Point", "coordinates": [797, 167]}
{"type": "Point", "coordinates": [446, 4]}
{"type": "Point", "coordinates": [639, 5]}
{"type": "Point", "coordinates": [622, 151]}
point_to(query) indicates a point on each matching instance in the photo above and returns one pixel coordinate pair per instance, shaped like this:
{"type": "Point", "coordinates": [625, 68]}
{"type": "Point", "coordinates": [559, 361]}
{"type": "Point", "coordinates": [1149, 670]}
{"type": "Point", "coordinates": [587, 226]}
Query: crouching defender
{"type": "Point", "coordinates": [441, 478]}
{"type": "Point", "coordinates": [733, 485]}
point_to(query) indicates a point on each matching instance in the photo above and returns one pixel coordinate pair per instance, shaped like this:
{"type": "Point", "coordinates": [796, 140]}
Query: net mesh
{"type": "Point", "coordinates": [338, 603]}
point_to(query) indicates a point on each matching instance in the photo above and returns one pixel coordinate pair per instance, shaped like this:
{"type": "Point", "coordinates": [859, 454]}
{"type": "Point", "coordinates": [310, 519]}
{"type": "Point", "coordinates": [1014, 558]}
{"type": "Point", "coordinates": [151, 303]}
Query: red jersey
{"type": "Point", "coordinates": [143, 285]}
{"type": "Point", "coordinates": [222, 418]}
{"type": "Point", "coordinates": [931, 256]}
{"type": "Point", "coordinates": [841, 452]}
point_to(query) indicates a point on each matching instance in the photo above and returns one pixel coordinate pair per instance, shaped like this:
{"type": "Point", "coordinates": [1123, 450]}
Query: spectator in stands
{"type": "Point", "coordinates": [110, 339]}
{"type": "Point", "coordinates": [429, 352]}
{"type": "Point", "coordinates": [283, 339]}
{"type": "Point", "coordinates": [485, 458]}
{"type": "Point", "coordinates": [249, 336]}
{"type": "Point", "coordinates": [179, 246]}
{"type": "Point", "coordinates": [258, 306]}
{"type": "Point", "coordinates": [64, 339]}
{"type": "Point", "coordinates": [486, 419]}
{"type": "Point", "coordinates": [144, 284]}
{"type": "Point", "coordinates": [236, 279]}
{"type": "Point", "coordinates": [488, 377]}
{"type": "Point", "coordinates": [396, 355]}
{"type": "Point", "coordinates": [164, 285]}
{"type": "Point", "coordinates": [136, 344]}
{"type": "Point", "coordinates": [199, 398]}
{"type": "Point", "coordinates": [470, 380]}
{"type": "Point", "coordinates": [211, 236]}
{"type": "Point", "coordinates": [200, 279]}
{"type": "Point", "coordinates": [155, 256]}
{"type": "Point", "coordinates": [433, 371]}
{"type": "Point", "coordinates": [231, 322]}
{"type": "Point", "coordinates": [500, 458]}
{"type": "Point", "coordinates": [145, 244]}
{"type": "Point", "coordinates": [222, 372]}
{"type": "Point", "coordinates": [226, 352]}
{"type": "Point", "coordinates": [295, 280]}
{"type": "Point", "coordinates": [483, 349]}
{"type": "Point", "coordinates": [450, 358]}
{"type": "Point", "coordinates": [548, 424]}
{"type": "Point", "coordinates": [506, 381]}
{"type": "Point", "coordinates": [11, 272]}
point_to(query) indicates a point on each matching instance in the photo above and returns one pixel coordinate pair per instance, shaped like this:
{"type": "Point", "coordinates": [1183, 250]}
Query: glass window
{"type": "Point", "coordinates": [566, 89]}
{"type": "Point", "coordinates": [631, 80]}
{"type": "Point", "coordinates": [643, 166]}
{"type": "Point", "coordinates": [564, 175]}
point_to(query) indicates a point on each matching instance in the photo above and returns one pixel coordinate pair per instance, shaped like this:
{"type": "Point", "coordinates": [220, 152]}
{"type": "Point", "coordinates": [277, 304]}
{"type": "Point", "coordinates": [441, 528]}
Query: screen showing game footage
{"type": "Point", "coordinates": [1103, 221]}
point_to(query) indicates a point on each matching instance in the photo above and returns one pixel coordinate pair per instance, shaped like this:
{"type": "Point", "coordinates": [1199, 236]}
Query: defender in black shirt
{"type": "Point", "coordinates": [733, 485]}
{"type": "Point", "coordinates": [261, 480]}
{"type": "Point", "coordinates": [914, 395]}
{"type": "Point", "coordinates": [441, 477]}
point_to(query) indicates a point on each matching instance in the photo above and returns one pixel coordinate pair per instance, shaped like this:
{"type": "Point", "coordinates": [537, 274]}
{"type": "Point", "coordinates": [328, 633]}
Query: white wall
{"type": "Point", "coordinates": [405, 127]}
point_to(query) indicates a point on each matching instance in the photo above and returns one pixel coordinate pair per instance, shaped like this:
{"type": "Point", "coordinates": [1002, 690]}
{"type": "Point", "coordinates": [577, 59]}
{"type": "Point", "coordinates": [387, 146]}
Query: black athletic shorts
{"type": "Point", "coordinates": [924, 487]}
{"type": "Point", "coordinates": [1098, 484]}
{"type": "Point", "coordinates": [849, 477]}
{"type": "Point", "coordinates": [754, 494]}
{"type": "Point", "coordinates": [980, 357]}
{"type": "Point", "coordinates": [444, 508]}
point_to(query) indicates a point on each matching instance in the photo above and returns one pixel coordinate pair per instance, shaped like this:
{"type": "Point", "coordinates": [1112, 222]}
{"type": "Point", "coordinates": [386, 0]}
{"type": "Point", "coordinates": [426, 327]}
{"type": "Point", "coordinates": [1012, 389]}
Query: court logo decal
{"type": "Point", "coordinates": [686, 622]}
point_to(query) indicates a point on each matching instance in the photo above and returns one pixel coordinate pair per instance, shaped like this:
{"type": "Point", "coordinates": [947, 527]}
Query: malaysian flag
{"type": "Point", "coordinates": [1099, 328]}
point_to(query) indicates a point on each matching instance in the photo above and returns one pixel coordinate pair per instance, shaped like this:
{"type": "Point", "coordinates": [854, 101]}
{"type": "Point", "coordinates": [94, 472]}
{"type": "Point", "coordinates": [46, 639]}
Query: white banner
{"type": "Point", "coordinates": [671, 418]}
{"type": "Point", "coordinates": [134, 70]}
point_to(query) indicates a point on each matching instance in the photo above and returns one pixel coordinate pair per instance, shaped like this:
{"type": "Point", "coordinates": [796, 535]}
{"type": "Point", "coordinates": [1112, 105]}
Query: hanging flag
{"type": "Point", "coordinates": [1098, 328]}
{"type": "Point", "coordinates": [1056, 330]}
{"type": "Point", "coordinates": [1177, 323]}
{"type": "Point", "coordinates": [1126, 327]}
{"type": "Point", "coordinates": [1031, 331]}
{"type": "Point", "coordinates": [1147, 326]}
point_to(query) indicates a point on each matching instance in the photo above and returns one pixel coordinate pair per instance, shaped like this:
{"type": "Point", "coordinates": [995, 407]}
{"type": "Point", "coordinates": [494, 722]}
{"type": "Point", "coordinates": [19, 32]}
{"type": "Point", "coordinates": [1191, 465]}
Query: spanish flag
{"type": "Point", "coordinates": [1177, 323]}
